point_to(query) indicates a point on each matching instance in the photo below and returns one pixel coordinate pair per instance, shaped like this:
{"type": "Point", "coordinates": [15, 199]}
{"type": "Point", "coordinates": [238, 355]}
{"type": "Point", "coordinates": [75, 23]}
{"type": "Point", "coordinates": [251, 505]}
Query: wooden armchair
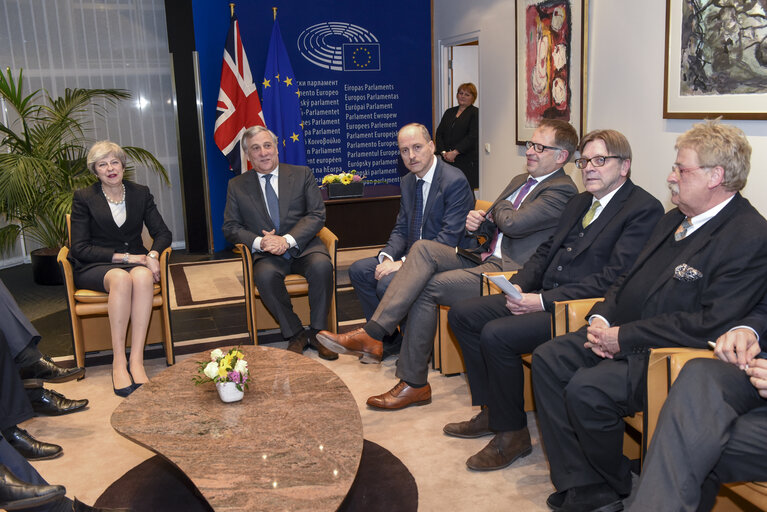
{"type": "Point", "coordinates": [663, 369]}
{"type": "Point", "coordinates": [88, 311]}
{"type": "Point", "coordinates": [297, 286]}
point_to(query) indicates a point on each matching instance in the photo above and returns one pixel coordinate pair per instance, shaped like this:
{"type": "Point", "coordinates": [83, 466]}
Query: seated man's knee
{"type": "Point", "coordinates": [359, 272]}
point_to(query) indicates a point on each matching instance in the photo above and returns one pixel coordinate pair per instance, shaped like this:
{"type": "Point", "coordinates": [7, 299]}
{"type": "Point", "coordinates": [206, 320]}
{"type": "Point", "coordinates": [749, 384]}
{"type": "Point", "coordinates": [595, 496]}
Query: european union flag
{"type": "Point", "coordinates": [281, 101]}
{"type": "Point", "coordinates": [362, 57]}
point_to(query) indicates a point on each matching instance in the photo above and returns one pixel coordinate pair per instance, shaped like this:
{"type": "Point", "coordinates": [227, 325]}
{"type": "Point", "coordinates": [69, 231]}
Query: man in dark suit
{"type": "Point", "coordinates": [524, 216]}
{"type": "Point", "coordinates": [598, 238]}
{"type": "Point", "coordinates": [705, 262]}
{"type": "Point", "coordinates": [277, 211]}
{"type": "Point", "coordinates": [712, 427]}
{"type": "Point", "coordinates": [25, 361]}
{"type": "Point", "coordinates": [435, 199]}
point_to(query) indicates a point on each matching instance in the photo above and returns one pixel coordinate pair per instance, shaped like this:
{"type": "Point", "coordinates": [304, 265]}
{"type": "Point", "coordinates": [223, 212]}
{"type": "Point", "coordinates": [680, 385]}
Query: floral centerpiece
{"type": "Point", "coordinates": [343, 184]}
{"type": "Point", "coordinates": [228, 370]}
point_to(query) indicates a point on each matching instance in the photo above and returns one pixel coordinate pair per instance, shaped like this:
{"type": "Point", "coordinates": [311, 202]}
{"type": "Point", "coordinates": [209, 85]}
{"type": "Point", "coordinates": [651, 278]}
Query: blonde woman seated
{"type": "Point", "coordinates": [108, 254]}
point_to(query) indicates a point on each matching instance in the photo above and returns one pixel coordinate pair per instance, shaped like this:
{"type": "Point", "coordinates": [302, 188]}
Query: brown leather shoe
{"type": "Point", "coordinates": [401, 396]}
{"type": "Point", "coordinates": [299, 342]}
{"type": "Point", "coordinates": [356, 342]}
{"type": "Point", "coordinates": [502, 450]}
{"type": "Point", "coordinates": [324, 353]}
{"type": "Point", "coordinates": [478, 426]}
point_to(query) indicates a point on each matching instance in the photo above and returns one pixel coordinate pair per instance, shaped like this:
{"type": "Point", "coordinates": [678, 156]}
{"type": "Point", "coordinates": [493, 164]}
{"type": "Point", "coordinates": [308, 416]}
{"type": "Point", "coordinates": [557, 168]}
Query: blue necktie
{"type": "Point", "coordinates": [272, 203]}
{"type": "Point", "coordinates": [416, 219]}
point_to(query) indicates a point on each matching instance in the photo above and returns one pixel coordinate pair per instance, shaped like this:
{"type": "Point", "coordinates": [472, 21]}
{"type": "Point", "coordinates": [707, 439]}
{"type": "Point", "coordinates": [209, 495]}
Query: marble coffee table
{"type": "Point", "coordinates": [293, 443]}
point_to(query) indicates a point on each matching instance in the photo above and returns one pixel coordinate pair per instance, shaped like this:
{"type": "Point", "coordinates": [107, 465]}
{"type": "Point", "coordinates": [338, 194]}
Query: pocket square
{"type": "Point", "coordinates": [684, 272]}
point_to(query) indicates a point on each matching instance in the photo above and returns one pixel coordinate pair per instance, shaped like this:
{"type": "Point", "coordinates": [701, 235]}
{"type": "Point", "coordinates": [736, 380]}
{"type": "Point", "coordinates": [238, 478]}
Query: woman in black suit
{"type": "Point", "coordinates": [108, 254]}
{"type": "Point", "coordinates": [457, 137]}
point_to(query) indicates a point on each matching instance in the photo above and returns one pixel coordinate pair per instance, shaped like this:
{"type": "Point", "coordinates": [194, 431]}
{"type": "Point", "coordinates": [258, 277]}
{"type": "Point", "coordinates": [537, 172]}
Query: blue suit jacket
{"type": "Point", "coordinates": [444, 217]}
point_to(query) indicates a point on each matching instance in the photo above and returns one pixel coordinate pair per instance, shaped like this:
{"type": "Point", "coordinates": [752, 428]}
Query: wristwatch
{"type": "Point", "coordinates": [125, 258]}
{"type": "Point", "coordinates": [152, 255]}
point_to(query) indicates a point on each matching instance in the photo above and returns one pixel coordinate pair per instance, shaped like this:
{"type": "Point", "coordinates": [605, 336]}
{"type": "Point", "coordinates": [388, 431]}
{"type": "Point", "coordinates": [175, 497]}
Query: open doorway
{"type": "Point", "coordinates": [459, 64]}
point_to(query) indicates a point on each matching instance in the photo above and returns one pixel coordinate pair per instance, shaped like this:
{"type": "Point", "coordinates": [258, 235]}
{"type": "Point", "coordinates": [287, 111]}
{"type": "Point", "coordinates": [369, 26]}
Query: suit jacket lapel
{"type": "Point", "coordinates": [256, 195]}
{"type": "Point", "coordinates": [514, 184]}
{"type": "Point", "coordinates": [286, 185]}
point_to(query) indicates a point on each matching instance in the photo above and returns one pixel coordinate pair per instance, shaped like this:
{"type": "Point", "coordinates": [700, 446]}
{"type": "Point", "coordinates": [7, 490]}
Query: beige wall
{"type": "Point", "coordinates": [625, 89]}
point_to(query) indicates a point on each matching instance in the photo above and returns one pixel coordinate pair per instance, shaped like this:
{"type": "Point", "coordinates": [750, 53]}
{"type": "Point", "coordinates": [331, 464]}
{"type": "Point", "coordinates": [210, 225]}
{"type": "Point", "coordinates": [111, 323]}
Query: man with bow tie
{"type": "Point", "coordinates": [703, 265]}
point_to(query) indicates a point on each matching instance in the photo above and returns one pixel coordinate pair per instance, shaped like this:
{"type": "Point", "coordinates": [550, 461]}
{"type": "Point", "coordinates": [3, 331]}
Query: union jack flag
{"type": "Point", "coordinates": [238, 105]}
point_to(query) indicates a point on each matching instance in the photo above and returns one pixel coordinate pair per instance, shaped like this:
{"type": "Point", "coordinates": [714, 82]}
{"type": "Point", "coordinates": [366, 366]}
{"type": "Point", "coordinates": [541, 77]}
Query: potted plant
{"type": "Point", "coordinates": [344, 184]}
{"type": "Point", "coordinates": [43, 150]}
{"type": "Point", "coordinates": [228, 370]}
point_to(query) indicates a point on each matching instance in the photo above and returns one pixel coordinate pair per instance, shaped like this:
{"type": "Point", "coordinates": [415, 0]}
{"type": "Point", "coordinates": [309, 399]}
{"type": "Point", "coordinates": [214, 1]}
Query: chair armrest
{"type": "Point", "coordinates": [663, 368]}
{"type": "Point", "coordinates": [330, 240]}
{"type": "Point", "coordinates": [570, 315]}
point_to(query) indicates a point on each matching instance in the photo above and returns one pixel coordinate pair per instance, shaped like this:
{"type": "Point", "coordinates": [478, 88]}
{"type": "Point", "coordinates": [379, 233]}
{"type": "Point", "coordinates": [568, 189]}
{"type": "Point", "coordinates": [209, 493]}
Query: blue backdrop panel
{"type": "Point", "coordinates": [362, 67]}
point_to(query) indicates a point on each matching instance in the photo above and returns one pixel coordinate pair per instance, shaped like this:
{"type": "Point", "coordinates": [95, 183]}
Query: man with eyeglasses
{"type": "Point", "coordinates": [598, 238]}
{"type": "Point", "coordinates": [704, 264]}
{"type": "Point", "coordinates": [523, 217]}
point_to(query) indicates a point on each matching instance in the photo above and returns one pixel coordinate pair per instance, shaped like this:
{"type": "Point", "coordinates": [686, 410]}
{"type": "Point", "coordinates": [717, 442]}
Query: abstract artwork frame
{"type": "Point", "coordinates": [551, 38]}
{"type": "Point", "coordinates": [716, 60]}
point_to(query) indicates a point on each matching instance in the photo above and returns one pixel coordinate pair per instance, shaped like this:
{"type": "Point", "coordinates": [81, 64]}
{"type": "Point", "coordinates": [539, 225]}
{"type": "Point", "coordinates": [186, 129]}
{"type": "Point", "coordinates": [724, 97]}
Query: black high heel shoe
{"type": "Point", "coordinates": [123, 392]}
{"type": "Point", "coordinates": [133, 383]}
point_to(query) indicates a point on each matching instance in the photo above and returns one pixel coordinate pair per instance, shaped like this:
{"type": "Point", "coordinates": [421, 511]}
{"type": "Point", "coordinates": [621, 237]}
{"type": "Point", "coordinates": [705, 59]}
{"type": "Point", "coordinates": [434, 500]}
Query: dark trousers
{"type": "Point", "coordinates": [14, 404]}
{"type": "Point", "coordinates": [19, 332]}
{"type": "Point", "coordinates": [581, 400]}
{"type": "Point", "coordinates": [269, 277]}
{"type": "Point", "coordinates": [369, 289]}
{"type": "Point", "coordinates": [492, 341]}
{"type": "Point", "coordinates": [712, 429]}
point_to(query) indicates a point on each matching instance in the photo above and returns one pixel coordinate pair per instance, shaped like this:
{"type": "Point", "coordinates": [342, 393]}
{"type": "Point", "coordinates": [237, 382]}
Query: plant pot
{"type": "Point", "coordinates": [339, 190]}
{"type": "Point", "coordinates": [45, 268]}
{"type": "Point", "coordinates": [228, 392]}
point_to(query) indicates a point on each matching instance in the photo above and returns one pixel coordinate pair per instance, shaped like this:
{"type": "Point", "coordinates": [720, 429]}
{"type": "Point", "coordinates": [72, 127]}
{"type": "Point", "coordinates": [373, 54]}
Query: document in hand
{"type": "Point", "coordinates": [505, 286]}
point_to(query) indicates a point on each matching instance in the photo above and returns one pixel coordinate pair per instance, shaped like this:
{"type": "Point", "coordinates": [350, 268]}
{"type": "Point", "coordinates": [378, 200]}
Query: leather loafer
{"type": "Point", "coordinates": [357, 343]}
{"type": "Point", "coordinates": [16, 494]}
{"type": "Point", "coordinates": [401, 396]}
{"type": "Point", "coordinates": [28, 446]}
{"type": "Point", "coordinates": [502, 450]}
{"type": "Point", "coordinates": [299, 342]}
{"type": "Point", "coordinates": [51, 403]}
{"type": "Point", "coordinates": [79, 506]}
{"type": "Point", "coordinates": [44, 368]}
{"type": "Point", "coordinates": [556, 500]}
{"type": "Point", "coordinates": [478, 426]}
{"type": "Point", "coordinates": [323, 352]}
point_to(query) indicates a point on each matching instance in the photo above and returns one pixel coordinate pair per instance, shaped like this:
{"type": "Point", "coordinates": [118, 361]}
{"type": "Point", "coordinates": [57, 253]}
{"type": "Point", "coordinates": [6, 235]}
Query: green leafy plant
{"type": "Point", "coordinates": [43, 152]}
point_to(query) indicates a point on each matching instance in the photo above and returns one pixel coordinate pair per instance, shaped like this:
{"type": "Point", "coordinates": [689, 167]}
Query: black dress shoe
{"type": "Point", "coordinates": [28, 446]}
{"type": "Point", "coordinates": [44, 368]}
{"type": "Point", "coordinates": [51, 403]}
{"type": "Point", "coordinates": [299, 342]}
{"type": "Point", "coordinates": [79, 506]}
{"type": "Point", "coordinates": [592, 498]}
{"type": "Point", "coordinates": [17, 494]}
{"type": "Point", "coordinates": [323, 352]}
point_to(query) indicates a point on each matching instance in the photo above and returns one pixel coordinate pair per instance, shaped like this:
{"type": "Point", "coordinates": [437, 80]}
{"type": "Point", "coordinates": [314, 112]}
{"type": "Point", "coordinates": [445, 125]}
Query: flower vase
{"type": "Point", "coordinates": [228, 392]}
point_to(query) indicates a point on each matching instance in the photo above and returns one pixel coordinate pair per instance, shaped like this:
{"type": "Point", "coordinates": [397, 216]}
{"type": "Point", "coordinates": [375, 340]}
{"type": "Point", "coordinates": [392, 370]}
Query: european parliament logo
{"type": "Point", "coordinates": [340, 46]}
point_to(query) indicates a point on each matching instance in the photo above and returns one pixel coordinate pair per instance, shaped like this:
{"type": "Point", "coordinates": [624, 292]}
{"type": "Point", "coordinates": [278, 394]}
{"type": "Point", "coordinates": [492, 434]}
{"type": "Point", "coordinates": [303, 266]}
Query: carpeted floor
{"type": "Point", "coordinates": [382, 484]}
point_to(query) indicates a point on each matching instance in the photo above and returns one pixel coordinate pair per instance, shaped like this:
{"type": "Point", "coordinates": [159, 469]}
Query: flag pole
{"type": "Point", "coordinates": [274, 10]}
{"type": "Point", "coordinates": [231, 8]}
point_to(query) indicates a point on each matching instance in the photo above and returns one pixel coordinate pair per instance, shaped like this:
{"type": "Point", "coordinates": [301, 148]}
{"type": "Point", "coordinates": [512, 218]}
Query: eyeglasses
{"type": "Point", "coordinates": [596, 161]}
{"type": "Point", "coordinates": [678, 169]}
{"type": "Point", "coordinates": [539, 147]}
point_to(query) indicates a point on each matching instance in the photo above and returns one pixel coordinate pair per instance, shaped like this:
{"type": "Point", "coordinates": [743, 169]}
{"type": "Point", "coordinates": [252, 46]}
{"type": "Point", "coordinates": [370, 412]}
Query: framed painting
{"type": "Point", "coordinates": [716, 60]}
{"type": "Point", "coordinates": [551, 63]}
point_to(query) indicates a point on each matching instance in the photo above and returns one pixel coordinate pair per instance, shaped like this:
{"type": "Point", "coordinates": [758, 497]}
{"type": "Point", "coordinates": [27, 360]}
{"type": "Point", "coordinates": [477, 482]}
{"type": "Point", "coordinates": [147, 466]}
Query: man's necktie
{"type": "Point", "coordinates": [517, 201]}
{"type": "Point", "coordinates": [681, 231]}
{"type": "Point", "coordinates": [590, 214]}
{"type": "Point", "coordinates": [416, 217]}
{"type": "Point", "coordinates": [272, 202]}
{"type": "Point", "coordinates": [523, 192]}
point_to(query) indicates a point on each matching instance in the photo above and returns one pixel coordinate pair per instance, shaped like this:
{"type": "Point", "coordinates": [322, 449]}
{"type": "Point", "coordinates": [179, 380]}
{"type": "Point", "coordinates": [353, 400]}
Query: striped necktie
{"type": "Point", "coordinates": [416, 217]}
